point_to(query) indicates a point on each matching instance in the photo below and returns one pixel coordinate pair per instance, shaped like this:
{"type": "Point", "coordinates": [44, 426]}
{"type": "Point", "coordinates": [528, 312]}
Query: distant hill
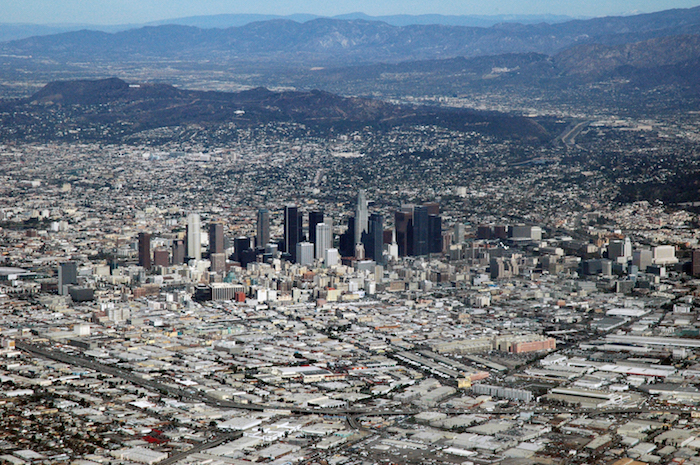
{"type": "Point", "coordinates": [585, 60]}
{"type": "Point", "coordinates": [594, 59]}
{"type": "Point", "coordinates": [18, 31]}
{"type": "Point", "coordinates": [113, 110]}
{"type": "Point", "coordinates": [335, 42]}
{"type": "Point", "coordinates": [638, 71]}
{"type": "Point", "coordinates": [236, 20]}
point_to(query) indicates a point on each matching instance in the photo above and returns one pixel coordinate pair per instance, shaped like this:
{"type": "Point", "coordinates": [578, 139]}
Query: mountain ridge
{"type": "Point", "coordinates": [325, 41]}
{"type": "Point", "coordinates": [18, 31]}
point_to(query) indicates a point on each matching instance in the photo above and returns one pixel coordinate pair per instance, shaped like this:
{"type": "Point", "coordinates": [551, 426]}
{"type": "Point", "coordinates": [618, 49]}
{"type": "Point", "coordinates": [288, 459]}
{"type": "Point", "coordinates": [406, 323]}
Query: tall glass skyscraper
{"type": "Point", "coordinates": [216, 238]}
{"type": "Point", "coordinates": [263, 234]}
{"type": "Point", "coordinates": [194, 236]}
{"type": "Point", "coordinates": [324, 239]}
{"type": "Point", "coordinates": [292, 226]}
{"type": "Point", "coordinates": [145, 250]}
{"type": "Point", "coordinates": [421, 230]}
{"type": "Point", "coordinates": [361, 216]}
{"type": "Point", "coordinates": [374, 239]}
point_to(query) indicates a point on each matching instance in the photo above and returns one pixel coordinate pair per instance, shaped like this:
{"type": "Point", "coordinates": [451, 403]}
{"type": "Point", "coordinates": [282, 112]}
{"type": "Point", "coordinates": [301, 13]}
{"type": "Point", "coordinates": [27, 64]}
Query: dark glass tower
{"type": "Point", "coordinates": [402, 222]}
{"type": "Point", "coordinates": [347, 239]}
{"type": "Point", "coordinates": [216, 238]}
{"type": "Point", "coordinates": [292, 228]}
{"type": "Point", "coordinates": [435, 234]}
{"type": "Point", "coordinates": [145, 250]}
{"type": "Point", "coordinates": [240, 245]}
{"type": "Point", "coordinates": [374, 238]}
{"type": "Point", "coordinates": [420, 230]}
{"type": "Point", "coordinates": [263, 233]}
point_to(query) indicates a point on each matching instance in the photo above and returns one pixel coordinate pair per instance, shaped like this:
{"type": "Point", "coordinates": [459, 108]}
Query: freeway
{"type": "Point", "coordinates": [215, 441]}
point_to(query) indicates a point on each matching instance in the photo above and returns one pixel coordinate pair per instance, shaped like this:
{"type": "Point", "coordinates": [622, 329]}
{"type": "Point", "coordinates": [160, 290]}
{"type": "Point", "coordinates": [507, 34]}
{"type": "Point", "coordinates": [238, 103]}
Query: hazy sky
{"type": "Point", "coordinates": [139, 11]}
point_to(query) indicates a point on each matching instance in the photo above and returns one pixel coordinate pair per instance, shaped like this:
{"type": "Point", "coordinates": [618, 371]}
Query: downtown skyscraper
{"type": "Point", "coordinates": [361, 216]}
{"type": "Point", "coordinates": [263, 228]}
{"type": "Point", "coordinates": [324, 239]}
{"type": "Point", "coordinates": [216, 237]}
{"type": "Point", "coordinates": [292, 230]}
{"type": "Point", "coordinates": [145, 250]}
{"type": "Point", "coordinates": [194, 236]}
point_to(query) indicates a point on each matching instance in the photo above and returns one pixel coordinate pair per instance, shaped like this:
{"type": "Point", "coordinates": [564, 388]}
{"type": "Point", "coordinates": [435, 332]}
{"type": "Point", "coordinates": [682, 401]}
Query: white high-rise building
{"type": "Point", "coordinates": [392, 251]}
{"type": "Point", "coordinates": [360, 251]}
{"type": "Point", "coordinates": [459, 233]}
{"type": "Point", "coordinates": [664, 255]}
{"type": "Point", "coordinates": [361, 216]}
{"type": "Point", "coordinates": [194, 236]}
{"type": "Point", "coordinates": [324, 238]}
{"type": "Point", "coordinates": [331, 257]}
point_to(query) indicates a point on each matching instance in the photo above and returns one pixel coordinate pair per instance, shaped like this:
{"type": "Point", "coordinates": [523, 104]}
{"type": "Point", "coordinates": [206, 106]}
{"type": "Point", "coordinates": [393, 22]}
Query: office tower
{"type": "Point", "coordinates": [433, 208]}
{"type": "Point", "coordinates": [315, 218]}
{"type": "Point", "coordinates": [240, 245]}
{"type": "Point", "coordinates": [434, 234]}
{"type": "Point", "coordinates": [459, 233]}
{"type": "Point", "coordinates": [664, 255]}
{"type": "Point", "coordinates": [331, 257]}
{"type": "Point", "coordinates": [161, 257]}
{"type": "Point", "coordinates": [620, 250]}
{"type": "Point", "coordinates": [179, 252]}
{"type": "Point", "coordinates": [501, 232]}
{"type": "Point", "coordinates": [300, 227]}
{"type": "Point", "coordinates": [484, 231]}
{"type": "Point", "coordinates": [216, 238]}
{"type": "Point", "coordinates": [504, 267]}
{"type": "Point", "coordinates": [218, 262]}
{"type": "Point", "coordinates": [421, 230]}
{"type": "Point", "coordinates": [324, 239]}
{"type": "Point", "coordinates": [194, 239]}
{"type": "Point", "coordinates": [248, 256]}
{"type": "Point", "coordinates": [388, 236]}
{"type": "Point", "coordinates": [291, 230]}
{"type": "Point", "coordinates": [359, 251]}
{"type": "Point", "coordinates": [374, 238]}
{"type": "Point", "coordinates": [695, 262]}
{"type": "Point", "coordinates": [525, 232]}
{"type": "Point", "coordinates": [497, 268]}
{"type": "Point", "coordinates": [392, 251]}
{"type": "Point", "coordinates": [145, 250]}
{"type": "Point", "coordinates": [447, 239]}
{"type": "Point", "coordinates": [347, 239]}
{"type": "Point", "coordinates": [361, 216]}
{"type": "Point", "coordinates": [305, 253]}
{"type": "Point", "coordinates": [644, 258]}
{"type": "Point", "coordinates": [402, 222]}
{"type": "Point", "coordinates": [263, 233]}
{"type": "Point", "coordinates": [67, 275]}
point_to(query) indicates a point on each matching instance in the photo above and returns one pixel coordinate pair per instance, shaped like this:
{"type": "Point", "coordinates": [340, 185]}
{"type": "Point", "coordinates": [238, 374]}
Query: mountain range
{"type": "Point", "coordinates": [17, 31]}
{"type": "Point", "coordinates": [644, 63]}
{"type": "Point", "coordinates": [333, 42]}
